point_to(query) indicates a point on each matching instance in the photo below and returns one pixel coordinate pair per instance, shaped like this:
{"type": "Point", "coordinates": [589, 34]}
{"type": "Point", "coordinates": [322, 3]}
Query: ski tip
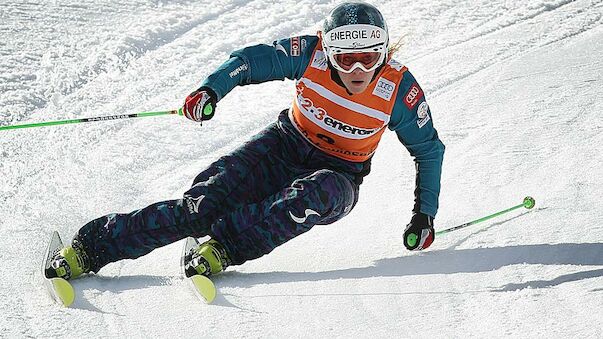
{"type": "Point", "coordinates": [205, 287]}
{"type": "Point", "coordinates": [63, 291]}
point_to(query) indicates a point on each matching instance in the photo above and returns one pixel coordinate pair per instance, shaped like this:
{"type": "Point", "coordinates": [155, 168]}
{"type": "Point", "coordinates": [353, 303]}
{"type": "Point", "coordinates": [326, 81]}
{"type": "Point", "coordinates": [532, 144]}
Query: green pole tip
{"type": "Point", "coordinates": [529, 202]}
{"type": "Point", "coordinates": [208, 110]}
{"type": "Point", "coordinates": [411, 239]}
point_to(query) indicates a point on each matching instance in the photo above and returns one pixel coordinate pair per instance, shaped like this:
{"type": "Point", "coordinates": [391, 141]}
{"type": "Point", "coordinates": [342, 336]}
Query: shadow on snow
{"type": "Point", "coordinates": [446, 261]}
{"type": "Point", "coordinates": [449, 261]}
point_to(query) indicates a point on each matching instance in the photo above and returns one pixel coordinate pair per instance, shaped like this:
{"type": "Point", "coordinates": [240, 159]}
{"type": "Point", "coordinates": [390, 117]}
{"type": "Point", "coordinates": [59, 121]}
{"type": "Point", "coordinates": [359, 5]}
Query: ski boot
{"type": "Point", "coordinates": [206, 259]}
{"type": "Point", "coordinates": [69, 262]}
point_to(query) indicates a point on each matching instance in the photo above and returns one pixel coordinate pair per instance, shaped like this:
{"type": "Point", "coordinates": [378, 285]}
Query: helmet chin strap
{"type": "Point", "coordinates": [377, 71]}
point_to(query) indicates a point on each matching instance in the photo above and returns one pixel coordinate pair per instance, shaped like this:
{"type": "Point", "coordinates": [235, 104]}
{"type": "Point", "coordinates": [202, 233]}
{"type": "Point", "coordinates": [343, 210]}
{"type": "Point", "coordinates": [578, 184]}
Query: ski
{"type": "Point", "coordinates": [204, 288]}
{"type": "Point", "coordinates": [59, 289]}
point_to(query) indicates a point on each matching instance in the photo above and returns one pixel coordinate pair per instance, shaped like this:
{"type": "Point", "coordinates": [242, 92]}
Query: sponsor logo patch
{"type": "Point", "coordinates": [238, 70]}
{"type": "Point", "coordinates": [193, 203]}
{"type": "Point", "coordinates": [422, 110]}
{"type": "Point", "coordinates": [423, 114]}
{"type": "Point", "coordinates": [300, 220]}
{"type": "Point", "coordinates": [355, 34]}
{"type": "Point", "coordinates": [319, 116]}
{"type": "Point", "coordinates": [412, 97]}
{"type": "Point", "coordinates": [319, 61]}
{"type": "Point", "coordinates": [395, 65]}
{"type": "Point", "coordinates": [295, 46]}
{"type": "Point", "coordinates": [384, 89]}
{"type": "Point", "coordinates": [280, 47]}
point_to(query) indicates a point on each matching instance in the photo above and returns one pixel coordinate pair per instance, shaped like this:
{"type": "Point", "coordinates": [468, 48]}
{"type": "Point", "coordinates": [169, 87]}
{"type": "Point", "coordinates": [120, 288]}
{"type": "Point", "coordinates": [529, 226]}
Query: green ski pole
{"type": "Point", "coordinates": [105, 118]}
{"type": "Point", "coordinates": [528, 202]}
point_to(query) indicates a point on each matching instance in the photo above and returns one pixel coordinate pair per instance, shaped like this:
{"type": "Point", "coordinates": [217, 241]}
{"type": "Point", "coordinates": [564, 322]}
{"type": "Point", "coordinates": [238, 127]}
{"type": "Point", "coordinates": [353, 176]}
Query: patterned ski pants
{"type": "Point", "coordinates": [270, 190]}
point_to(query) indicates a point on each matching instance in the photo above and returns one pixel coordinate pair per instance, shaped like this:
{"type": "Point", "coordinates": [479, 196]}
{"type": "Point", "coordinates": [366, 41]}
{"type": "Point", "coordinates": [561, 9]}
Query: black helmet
{"type": "Point", "coordinates": [355, 27]}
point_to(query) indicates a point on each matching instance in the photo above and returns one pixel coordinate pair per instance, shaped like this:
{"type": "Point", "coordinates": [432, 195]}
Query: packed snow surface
{"type": "Point", "coordinates": [516, 92]}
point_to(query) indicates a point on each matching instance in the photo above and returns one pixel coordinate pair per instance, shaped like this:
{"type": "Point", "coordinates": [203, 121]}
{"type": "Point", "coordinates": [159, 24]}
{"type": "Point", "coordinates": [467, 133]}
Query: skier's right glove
{"type": "Point", "coordinates": [419, 233]}
{"type": "Point", "coordinates": [200, 105]}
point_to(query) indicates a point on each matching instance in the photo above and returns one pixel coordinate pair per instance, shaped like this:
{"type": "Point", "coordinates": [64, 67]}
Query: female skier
{"type": "Point", "coordinates": [303, 170]}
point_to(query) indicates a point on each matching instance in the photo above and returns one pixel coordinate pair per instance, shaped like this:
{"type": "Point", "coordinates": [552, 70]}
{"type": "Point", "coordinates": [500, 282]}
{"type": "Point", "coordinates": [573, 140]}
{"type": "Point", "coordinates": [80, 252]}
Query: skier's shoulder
{"type": "Point", "coordinates": [297, 46]}
{"type": "Point", "coordinates": [296, 51]}
{"type": "Point", "coordinates": [410, 98]}
{"type": "Point", "coordinates": [400, 71]}
{"type": "Point", "coordinates": [409, 89]}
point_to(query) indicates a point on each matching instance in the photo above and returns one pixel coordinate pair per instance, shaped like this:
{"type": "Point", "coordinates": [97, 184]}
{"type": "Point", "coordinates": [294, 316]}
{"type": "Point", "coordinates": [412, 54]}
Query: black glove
{"type": "Point", "coordinates": [200, 105]}
{"type": "Point", "coordinates": [419, 233]}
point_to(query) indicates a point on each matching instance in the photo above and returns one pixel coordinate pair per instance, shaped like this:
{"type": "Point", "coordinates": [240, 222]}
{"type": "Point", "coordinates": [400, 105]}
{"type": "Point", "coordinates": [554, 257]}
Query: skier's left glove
{"type": "Point", "coordinates": [200, 105]}
{"type": "Point", "coordinates": [419, 233]}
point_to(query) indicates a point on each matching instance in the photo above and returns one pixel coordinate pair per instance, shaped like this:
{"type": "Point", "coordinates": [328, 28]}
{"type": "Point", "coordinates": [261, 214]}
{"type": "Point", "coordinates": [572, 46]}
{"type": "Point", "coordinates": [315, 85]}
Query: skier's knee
{"type": "Point", "coordinates": [332, 193]}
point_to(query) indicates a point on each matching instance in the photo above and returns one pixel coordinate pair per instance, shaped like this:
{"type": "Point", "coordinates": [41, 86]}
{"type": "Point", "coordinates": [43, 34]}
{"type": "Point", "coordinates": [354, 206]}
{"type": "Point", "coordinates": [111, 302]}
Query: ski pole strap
{"type": "Point", "coordinates": [528, 202]}
{"type": "Point", "coordinates": [103, 118]}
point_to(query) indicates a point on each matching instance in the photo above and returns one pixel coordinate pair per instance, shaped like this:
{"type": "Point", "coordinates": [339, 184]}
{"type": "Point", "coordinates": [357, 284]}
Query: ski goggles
{"type": "Point", "coordinates": [348, 62]}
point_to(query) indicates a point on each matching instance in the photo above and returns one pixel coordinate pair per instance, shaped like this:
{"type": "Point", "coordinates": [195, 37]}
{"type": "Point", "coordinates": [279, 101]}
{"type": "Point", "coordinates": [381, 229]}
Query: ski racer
{"type": "Point", "coordinates": [305, 169]}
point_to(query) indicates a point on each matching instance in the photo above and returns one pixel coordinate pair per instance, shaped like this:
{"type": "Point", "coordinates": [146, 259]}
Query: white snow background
{"type": "Point", "coordinates": [516, 92]}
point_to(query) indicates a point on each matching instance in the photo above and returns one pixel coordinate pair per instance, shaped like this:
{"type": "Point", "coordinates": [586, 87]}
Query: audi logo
{"type": "Point", "coordinates": [385, 86]}
{"type": "Point", "coordinates": [412, 94]}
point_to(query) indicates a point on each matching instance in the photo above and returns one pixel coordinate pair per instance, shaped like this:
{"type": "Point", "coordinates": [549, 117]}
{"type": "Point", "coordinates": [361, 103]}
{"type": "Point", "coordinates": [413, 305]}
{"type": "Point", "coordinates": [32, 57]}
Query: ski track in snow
{"type": "Point", "coordinates": [515, 90]}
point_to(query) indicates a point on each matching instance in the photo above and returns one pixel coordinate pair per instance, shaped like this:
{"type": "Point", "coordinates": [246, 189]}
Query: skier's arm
{"type": "Point", "coordinates": [411, 120]}
{"type": "Point", "coordinates": [285, 58]}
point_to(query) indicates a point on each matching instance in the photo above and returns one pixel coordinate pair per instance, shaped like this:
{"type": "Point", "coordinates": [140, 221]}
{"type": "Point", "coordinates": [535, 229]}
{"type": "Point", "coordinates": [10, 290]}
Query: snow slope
{"type": "Point", "coordinates": [516, 93]}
